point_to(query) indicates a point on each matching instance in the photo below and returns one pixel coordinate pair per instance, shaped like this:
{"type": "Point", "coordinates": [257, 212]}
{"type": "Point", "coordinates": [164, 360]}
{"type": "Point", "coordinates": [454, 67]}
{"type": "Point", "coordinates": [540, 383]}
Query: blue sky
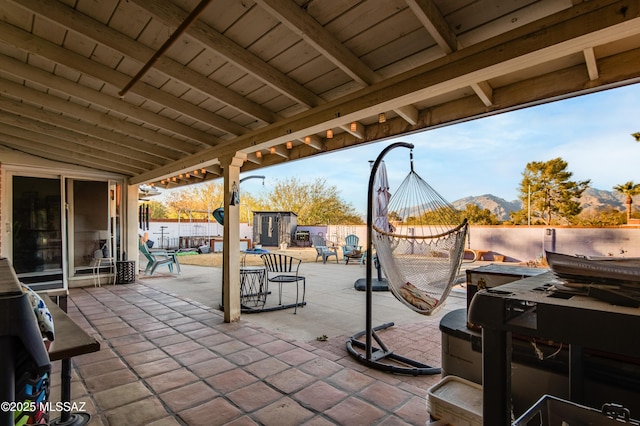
{"type": "Point", "coordinates": [487, 156]}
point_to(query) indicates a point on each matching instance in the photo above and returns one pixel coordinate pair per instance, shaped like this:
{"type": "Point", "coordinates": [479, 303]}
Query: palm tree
{"type": "Point", "coordinates": [629, 189]}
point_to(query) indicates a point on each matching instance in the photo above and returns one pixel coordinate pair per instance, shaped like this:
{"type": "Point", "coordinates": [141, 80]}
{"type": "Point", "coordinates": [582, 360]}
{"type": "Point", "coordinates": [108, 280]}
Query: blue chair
{"type": "Point", "coordinates": [157, 258]}
{"type": "Point", "coordinates": [322, 250]}
{"type": "Point", "coordinates": [351, 249]}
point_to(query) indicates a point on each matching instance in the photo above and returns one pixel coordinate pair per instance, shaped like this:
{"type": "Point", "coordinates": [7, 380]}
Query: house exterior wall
{"type": "Point", "coordinates": [19, 163]}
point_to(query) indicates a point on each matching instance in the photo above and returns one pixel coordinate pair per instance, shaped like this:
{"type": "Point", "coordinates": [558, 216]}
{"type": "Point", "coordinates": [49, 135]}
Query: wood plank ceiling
{"type": "Point", "coordinates": [160, 90]}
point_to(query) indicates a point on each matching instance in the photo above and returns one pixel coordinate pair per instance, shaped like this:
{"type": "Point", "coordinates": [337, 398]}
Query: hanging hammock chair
{"type": "Point", "coordinates": [419, 240]}
{"type": "Point", "coordinates": [421, 247]}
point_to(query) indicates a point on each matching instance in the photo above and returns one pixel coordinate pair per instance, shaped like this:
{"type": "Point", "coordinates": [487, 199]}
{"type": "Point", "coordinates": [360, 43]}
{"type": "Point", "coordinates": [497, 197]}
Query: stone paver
{"type": "Point", "coordinates": [167, 360]}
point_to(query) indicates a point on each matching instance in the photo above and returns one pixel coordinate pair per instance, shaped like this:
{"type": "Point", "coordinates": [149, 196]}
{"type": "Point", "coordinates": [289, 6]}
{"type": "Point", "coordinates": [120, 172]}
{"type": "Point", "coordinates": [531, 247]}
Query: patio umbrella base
{"type": "Point", "coordinates": [376, 284]}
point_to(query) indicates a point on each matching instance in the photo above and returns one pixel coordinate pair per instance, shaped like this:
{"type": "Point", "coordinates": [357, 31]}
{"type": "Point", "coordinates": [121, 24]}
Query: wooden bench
{"type": "Point", "coordinates": [477, 254]}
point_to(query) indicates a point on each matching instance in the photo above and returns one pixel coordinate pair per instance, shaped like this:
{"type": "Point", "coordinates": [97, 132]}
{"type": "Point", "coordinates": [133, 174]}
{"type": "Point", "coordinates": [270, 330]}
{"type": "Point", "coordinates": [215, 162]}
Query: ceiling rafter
{"type": "Point", "coordinates": [354, 128]}
{"type": "Point", "coordinates": [298, 21]}
{"type": "Point", "coordinates": [67, 152]}
{"type": "Point", "coordinates": [65, 64]}
{"type": "Point", "coordinates": [484, 92]}
{"type": "Point", "coordinates": [592, 63]}
{"type": "Point", "coordinates": [171, 15]}
{"type": "Point", "coordinates": [302, 24]}
{"type": "Point", "coordinates": [281, 151]}
{"type": "Point", "coordinates": [99, 33]}
{"type": "Point", "coordinates": [23, 71]}
{"type": "Point", "coordinates": [567, 32]}
{"type": "Point", "coordinates": [50, 136]}
{"type": "Point", "coordinates": [57, 54]}
{"type": "Point", "coordinates": [70, 126]}
{"type": "Point", "coordinates": [430, 17]}
{"type": "Point", "coordinates": [152, 138]}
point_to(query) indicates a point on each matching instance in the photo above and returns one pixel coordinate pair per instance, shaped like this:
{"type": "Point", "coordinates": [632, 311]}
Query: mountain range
{"type": "Point", "coordinates": [592, 200]}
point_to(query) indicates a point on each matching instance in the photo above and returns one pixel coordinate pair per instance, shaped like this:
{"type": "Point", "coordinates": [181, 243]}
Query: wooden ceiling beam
{"type": "Point", "coordinates": [63, 154]}
{"type": "Point", "coordinates": [59, 55]}
{"type": "Point", "coordinates": [592, 64]}
{"type": "Point", "coordinates": [171, 15]}
{"type": "Point", "coordinates": [314, 141]}
{"type": "Point", "coordinates": [87, 115]}
{"type": "Point", "coordinates": [131, 161]}
{"type": "Point", "coordinates": [69, 18]}
{"type": "Point", "coordinates": [409, 113]}
{"type": "Point", "coordinates": [431, 18]}
{"type": "Point", "coordinates": [354, 128]}
{"type": "Point", "coordinates": [281, 151]}
{"type": "Point", "coordinates": [29, 73]}
{"type": "Point", "coordinates": [484, 92]}
{"type": "Point", "coordinates": [564, 33]}
{"type": "Point", "coordinates": [65, 128]}
{"type": "Point", "coordinates": [252, 157]}
{"type": "Point", "coordinates": [302, 24]}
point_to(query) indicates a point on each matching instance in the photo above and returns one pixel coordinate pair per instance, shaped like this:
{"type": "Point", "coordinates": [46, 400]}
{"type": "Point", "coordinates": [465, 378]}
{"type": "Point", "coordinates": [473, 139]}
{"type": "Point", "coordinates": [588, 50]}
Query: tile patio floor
{"type": "Point", "coordinates": [168, 359]}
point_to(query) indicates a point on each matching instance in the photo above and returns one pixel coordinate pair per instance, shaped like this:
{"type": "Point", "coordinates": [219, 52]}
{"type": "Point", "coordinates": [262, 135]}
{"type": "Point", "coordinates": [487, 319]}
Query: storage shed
{"type": "Point", "coordinates": [272, 228]}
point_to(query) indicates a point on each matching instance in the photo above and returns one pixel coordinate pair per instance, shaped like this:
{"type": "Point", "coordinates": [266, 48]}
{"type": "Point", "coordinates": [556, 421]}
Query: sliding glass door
{"type": "Point", "coordinates": [37, 231]}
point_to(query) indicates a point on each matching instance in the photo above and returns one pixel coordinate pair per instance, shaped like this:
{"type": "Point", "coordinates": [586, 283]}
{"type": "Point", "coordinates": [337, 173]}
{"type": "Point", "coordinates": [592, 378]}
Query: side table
{"type": "Point", "coordinates": [253, 291]}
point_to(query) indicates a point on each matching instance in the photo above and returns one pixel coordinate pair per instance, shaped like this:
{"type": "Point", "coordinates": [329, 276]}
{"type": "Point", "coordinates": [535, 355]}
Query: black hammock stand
{"type": "Point", "coordinates": [381, 357]}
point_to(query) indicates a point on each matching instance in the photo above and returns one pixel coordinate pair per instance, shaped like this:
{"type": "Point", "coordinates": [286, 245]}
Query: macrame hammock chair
{"type": "Point", "coordinates": [419, 240]}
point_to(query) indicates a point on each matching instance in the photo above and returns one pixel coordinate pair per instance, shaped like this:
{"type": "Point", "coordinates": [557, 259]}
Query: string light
{"type": "Point", "coordinates": [272, 150]}
{"type": "Point", "coordinates": [382, 118]}
{"type": "Point", "coordinates": [307, 140]}
{"type": "Point", "coordinates": [354, 126]}
{"type": "Point", "coordinates": [329, 134]}
{"type": "Point", "coordinates": [258, 154]}
{"type": "Point", "coordinates": [289, 144]}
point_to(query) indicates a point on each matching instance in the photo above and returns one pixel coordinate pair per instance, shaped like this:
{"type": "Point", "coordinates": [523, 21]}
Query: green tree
{"type": "Point", "coordinates": [157, 210]}
{"type": "Point", "coordinates": [197, 200]}
{"type": "Point", "coordinates": [547, 189]}
{"type": "Point", "coordinates": [603, 217]}
{"type": "Point", "coordinates": [315, 203]}
{"type": "Point", "coordinates": [478, 216]}
{"type": "Point", "coordinates": [628, 189]}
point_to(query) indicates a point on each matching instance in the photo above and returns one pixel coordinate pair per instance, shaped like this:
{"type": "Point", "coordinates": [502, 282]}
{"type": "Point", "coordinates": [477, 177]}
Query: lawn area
{"type": "Point", "coordinates": [307, 254]}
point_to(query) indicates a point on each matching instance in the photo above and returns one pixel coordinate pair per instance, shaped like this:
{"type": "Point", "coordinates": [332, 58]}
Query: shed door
{"type": "Point", "coordinates": [269, 234]}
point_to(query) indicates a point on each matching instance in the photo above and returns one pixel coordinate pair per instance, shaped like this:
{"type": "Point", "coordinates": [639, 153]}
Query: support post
{"type": "Point", "coordinates": [231, 240]}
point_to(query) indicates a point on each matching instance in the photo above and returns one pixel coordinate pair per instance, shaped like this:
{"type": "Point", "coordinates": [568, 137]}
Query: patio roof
{"type": "Point", "coordinates": [160, 91]}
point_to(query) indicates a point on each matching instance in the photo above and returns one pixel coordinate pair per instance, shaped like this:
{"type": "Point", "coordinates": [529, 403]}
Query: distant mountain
{"type": "Point", "coordinates": [496, 205]}
{"type": "Point", "coordinates": [597, 199]}
{"type": "Point", "coordinates": [592, 200]}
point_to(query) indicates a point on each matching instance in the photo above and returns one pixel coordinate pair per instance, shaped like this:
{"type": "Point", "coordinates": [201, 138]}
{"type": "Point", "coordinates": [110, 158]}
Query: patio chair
{"type": "Point", "coordinates": [322, 250]}
{"type": "Point", "coordinates": [351, 249]}
{"type": "Point", "coordinates": [283, 269]}
{"type": "Point", "coordinates": [157, 258]}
